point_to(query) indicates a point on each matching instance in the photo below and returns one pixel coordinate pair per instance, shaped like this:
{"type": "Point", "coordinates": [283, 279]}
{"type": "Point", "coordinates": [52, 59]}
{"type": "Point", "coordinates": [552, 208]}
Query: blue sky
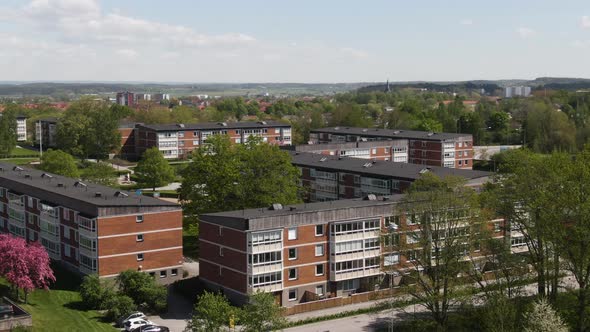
{"type": "Point", "coordinates": [292, 41]}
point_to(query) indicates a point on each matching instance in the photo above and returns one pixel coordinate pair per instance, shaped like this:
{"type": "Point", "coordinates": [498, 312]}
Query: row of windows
{"type": "Point", "coordinates": [355, 265]}
{"type": "Point", "coordinates": [266, 279]}
{"type": "Point", "coordinates": [293, 273]}
{"type": "Point", "coordinates": [266, 237]}
{"type": "Point", "coordinates": [356, 226]}
{"type": "Point", "coordinates": [265, 258]}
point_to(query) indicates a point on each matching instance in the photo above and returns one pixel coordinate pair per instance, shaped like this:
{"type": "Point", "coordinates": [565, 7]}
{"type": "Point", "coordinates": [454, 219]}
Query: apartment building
{"type": "Point", "coordinates": [178, 140]}
{"type": "Point", "coordinates": [91, 228]}
{"type": "Point", "coordinates": [21, 128]}
{"type": "Point", "coordinates": [334, 177]}
{"type": "Point", "coordinates": [394, 151]}
{"type": "Point", "coordinates": [304, 252]}
{"type": "Point", "coordinates": [45, 130]}
{"type": "Point", "coordinates": [425, 148]}
{"type": "Point", "coordinates": [125, 98]}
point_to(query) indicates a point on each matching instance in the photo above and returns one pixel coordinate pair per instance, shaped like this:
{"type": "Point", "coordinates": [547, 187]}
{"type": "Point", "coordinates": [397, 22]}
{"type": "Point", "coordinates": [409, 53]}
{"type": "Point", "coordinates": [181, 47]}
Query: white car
{"type": "Point", "coordinates": [135, 315]}
{"type": "Point", "coordinates": [135, 323]}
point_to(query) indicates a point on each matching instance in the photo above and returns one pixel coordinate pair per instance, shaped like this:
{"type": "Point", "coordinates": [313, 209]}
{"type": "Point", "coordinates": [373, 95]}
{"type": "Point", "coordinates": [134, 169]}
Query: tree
{"type": "Point", "coordinates": [119, 306]}
{"type": "Point", "coordinates": [524, 194]}
{"type": "Point", "coordinates": [89, 128]}
{"type": "Point", "coordinates": [499, 314]}
{"type": "Point", "coordinates": [212, 312]}
{"type": "Point", "coordinates": [93, 292]}
{"type": "Point", "coordinates": [7, 131]}
{"type": "Point", "coordinates": [99, 173]}
{"type": "Point", "coordinates": [24, 266]}
{"type": "Point", "coordinates": [142, 288]}
{"type": "Point", "coordinates": [224, 176]}
{"type": "Point", "coordinates": [543, 318]}
{"type": "Point", "coordinates": [59, 162]}
{"type": "Point", "coordinates": [153, 170]}
{"type": "Point", "coordinates": [442, 223]}
{"type": "Point", "coordinates": [261, 314]}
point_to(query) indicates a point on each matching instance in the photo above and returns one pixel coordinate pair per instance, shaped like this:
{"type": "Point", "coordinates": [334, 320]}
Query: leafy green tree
{"type": "Point", "coordinates": [261, 314]}
{"type": "Point", "coordinates": [449, 216]}
{"type": "Point", "coordinates": [431, 125]}
{"type": "Point", "coordinates": [59, 162]}
{"type": "Point", "coordinates": [212, 312]}
{"type": "Point", "coordinates": [543, 318]}
{"type": "Point", "coordinates": [224, 176]}
{"type": "Point", "coordinates": [143, 289]}
{"type": "Point", "coordinates": [89, 128]}
{"type": "Point", "coordinates": [92, 291]}
{"type": "Point", "coordinates": [499, 314]}
{"type": "Point", "coordinates": [548, 130]}
{"type": "Point", "coordinates": [153, 170]}
{"type": "Point", "coordinates": [118, 306]}
{"type": "Point", "coordinates": [7, 131]}
{"type": "Point", "coordinates": [99, 173]}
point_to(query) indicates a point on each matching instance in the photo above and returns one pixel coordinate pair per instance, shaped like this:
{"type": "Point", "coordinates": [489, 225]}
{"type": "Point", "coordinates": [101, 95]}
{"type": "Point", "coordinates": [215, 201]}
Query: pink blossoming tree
{"type": "Point", "coordinates": [25, 266]}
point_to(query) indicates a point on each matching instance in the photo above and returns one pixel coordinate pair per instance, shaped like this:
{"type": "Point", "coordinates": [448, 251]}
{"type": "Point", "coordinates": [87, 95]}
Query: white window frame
{"type": "Point", "coordinates": [294, 292]}
{"type": "Point", "coordinates": [289, 254]}
{"type": "Point", "coordinates": [319, 227]}
{"type": "Point", "coordinates": [323, 270]}
{"type": "Point", "coordinates": [139, 238]}
{"type": "Point", "coordinates": [139, 218]}
{"type": "Point", "coordinates": [140, 257]}
{"type": "Point", "coordinates": [292, 233]}
{"type": "Point", "coordinates": [289, 273]}
{"type": "Point", "coordinates": [321, 249]}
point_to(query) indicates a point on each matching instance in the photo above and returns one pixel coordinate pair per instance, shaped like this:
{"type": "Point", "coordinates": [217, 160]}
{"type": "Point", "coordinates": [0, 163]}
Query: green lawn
{"type": "Point", "coordinates": [60, 308]}
{"type": "Point", "coordinates": [19, 152]}
{"type": "Point", "coordinates": [20, 161]}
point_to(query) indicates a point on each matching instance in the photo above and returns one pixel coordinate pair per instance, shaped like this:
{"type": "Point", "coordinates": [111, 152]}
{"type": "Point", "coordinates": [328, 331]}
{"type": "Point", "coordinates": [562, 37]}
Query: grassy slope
{"type": "Point", "coordinates": [60, 308]}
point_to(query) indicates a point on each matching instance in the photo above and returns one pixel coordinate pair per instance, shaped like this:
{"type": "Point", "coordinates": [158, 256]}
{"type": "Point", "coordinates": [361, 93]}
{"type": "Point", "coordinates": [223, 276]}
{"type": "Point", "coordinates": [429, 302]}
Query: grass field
{"type": "Point", "coordinates": [19, 161]}
{"type": "Point", "coordinates": [19, 152]}
{"type": "Point", "coordinates": [60, 308]}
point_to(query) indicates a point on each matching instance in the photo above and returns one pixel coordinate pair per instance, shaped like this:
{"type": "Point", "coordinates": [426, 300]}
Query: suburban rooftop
{"type": "Point", "coordinates": [215, 125]}
{"type": "Point", "coordinates": [68, 192]}
{"type": "Point", "coordinates": [379, 168]}
{"type": "Point", "coordinates": [291, 209]}
{"type": "Point", "coordinates": [392, 133]}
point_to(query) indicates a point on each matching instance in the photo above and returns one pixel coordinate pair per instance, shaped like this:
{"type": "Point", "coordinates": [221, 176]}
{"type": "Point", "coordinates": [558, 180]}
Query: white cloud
{"type": "Point", "coordinates": [585, 22]}
{"type": "Point", "coordinates": [355, 53]}
{"type": "Point", "coordinates": [127, 53]}
{"type": "Point", "coordinates": [525, 32]}
{"type": "Point", "coordinates": [466, 21]}
{"type": "Point", "coordinates": [581, 43]}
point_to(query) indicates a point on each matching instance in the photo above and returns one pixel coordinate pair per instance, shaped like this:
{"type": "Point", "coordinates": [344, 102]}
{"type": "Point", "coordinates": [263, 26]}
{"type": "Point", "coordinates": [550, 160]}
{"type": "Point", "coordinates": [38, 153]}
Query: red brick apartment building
{"type": "Point", "coordinates": [91, 228]}
{"type": "Point", "coordinates": [426, 148]}
{"type": "Point", "coordinates": [332, 177]}
{"type": "Point", "coordinates": [303, 252]}
{"type": "Point", "coordinates": [178, 140]}
{"type": "Point", "coordinates": [394, 151]}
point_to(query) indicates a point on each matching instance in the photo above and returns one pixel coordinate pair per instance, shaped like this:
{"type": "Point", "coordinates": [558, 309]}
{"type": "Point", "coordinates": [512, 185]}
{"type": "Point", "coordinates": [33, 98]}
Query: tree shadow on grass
{"type": "Point", "coordinates": [65, 279]}
{"type": "Point", "coordinates": [77, 305]}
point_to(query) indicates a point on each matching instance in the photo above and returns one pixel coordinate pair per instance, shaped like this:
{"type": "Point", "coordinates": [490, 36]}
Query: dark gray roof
{"type": "Point", "coordinates": [387, 169]}
{"type": "Point", "coordinates": [392, 133]}
{"type": "Point", "coordinates": [240, 219]}
{"type": "Point", "coordinates": [31, 182]}
{"type": "Point", "coordinates": [215, 125]}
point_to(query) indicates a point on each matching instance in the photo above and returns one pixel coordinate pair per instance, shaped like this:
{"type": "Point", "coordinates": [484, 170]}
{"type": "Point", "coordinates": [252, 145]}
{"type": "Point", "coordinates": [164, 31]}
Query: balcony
{"type": "Point", "coordinates": [358, 235]}
{"type": "Point", "coordinates": [355, 274]}
{"type": "Point", "coordinates": [88, 252]}
{"type": "Point", "coordinates": [266, 288]}
{"type": "Point", "coordinates": [265, 268]}
{"type": "Point", "coordinates": [355, 255]}
{"type": "Point", "coordinates": [258, 248]}
{"type": "Point", "coordinates": [86, 226]}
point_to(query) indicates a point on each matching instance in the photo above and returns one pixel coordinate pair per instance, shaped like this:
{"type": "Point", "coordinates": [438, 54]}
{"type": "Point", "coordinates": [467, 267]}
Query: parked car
{"type": "Point", "coordinates": [151, 328]}
{"type": "Point", "coordinates": [121, 321]}
{"type": "Point", "coordinates": [133, 324]}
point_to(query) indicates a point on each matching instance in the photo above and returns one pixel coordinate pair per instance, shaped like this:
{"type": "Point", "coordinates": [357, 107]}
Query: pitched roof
{"type": "Point", "coordinates": [64, 191]}
{"type": "Point", "coordinates": [387, 169]}
{"type": "Point", "coordinates": [393, 133]}
{"type": "Point", "coordinates": [215, 125]}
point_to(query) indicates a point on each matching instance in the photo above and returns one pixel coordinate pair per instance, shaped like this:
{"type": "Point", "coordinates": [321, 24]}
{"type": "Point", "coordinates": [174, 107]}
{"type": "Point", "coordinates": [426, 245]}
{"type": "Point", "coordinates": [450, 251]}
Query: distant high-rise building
{"type": "Point", "coordinates": [125, 98]}
{"type": "Point", "coordinates": [517, 91]}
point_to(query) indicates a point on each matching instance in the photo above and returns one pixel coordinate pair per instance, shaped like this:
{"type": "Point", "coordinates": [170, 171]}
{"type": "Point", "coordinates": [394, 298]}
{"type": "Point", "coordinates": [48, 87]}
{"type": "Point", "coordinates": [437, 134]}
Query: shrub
{"type": "Point", "coordinates": [92, 291]}
{"type": "Point", "coordinates": [119, 305]}
{"type": "Point", "coordinates": [143, 289]}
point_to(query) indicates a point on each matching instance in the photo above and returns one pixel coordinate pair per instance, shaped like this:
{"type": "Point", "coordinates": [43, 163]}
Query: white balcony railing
{"type": "Point", "coordinates": [258, 248]}
{"type": "Point", "coordinates": [266, 288]}
{"type": "Point", "coordinates": [265, 268]}
{"type": "Point", "coordinates": [354, 274]}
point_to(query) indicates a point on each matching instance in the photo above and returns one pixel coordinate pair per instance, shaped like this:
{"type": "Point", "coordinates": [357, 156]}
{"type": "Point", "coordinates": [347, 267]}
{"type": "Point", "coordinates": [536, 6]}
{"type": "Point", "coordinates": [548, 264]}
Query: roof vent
{"type": "Point", "coordinates": [79, 184]}
{"type": "Point", "coordinates": [223, 124]}
{"type": "Point", "coordinates": [97, 194]}
{"type": "Point", "coordinates": [27, 176]}
{"type": "Point", "coordinates": [396, 132]}
{"type": "Point", "coordinates": [60, 185]}
{"type": "Point", "coordinates": [46, 175]}
{"type": "Point", "coordinates": [430, 134]}
{"type": "Point", "coordinates": [262, 122]}
{"type": "Point", "coordinates": [292, 208]}
{"type": "Point", "coordinates": [17, 168]}
{"type": "Point", "coordinates": [370, 197]}
{"type": "Point", "coordinates": [386, 198]}
{"type": "Point", "coordinates": [181, 125]}
{"type": "Point", "coordinates": [276, 206]}
{"type": "Point", "coordinates": [367, 165]}
{"type": "Point", "coordinates": [121, 194]}
{"type": "Point", "coordinates": [336, 128]}
{"type": "Point", "coordinates": [365, 130]}
{"type": "Point", "coordinates": [323, 159]}
{"type": "Point", "coordinates": [425, 170]}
